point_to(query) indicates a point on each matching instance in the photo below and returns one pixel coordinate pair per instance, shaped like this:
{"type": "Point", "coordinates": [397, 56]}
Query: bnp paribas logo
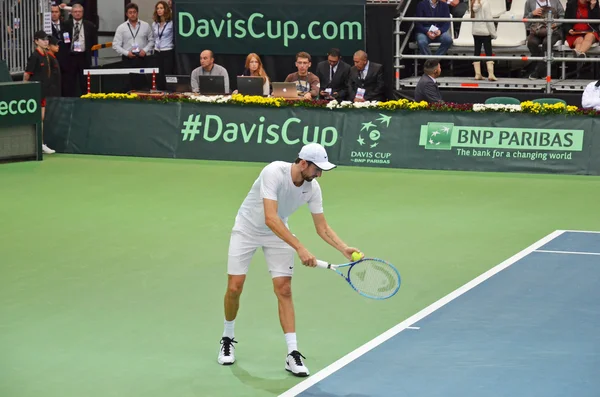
{"type": "Point", "coordinates": [478, 140]}
{"type": "Point", "coordinates": [439, 136]}
{"type": "Point", "coordinates": [370, 132]}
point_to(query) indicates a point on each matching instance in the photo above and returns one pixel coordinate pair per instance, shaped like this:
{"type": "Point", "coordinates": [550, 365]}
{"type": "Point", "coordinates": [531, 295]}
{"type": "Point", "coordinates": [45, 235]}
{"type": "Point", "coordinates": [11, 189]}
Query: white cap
{"type": "Point", "coordinates": [316, 153]}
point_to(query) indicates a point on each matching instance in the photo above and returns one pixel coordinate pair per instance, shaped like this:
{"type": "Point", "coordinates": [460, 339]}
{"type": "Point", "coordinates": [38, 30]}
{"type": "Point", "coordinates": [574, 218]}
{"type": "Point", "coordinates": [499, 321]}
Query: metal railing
{"type": "Point", "coordinates": [549, 57]}
{"type": "Point", "coordinates": [19, 20]}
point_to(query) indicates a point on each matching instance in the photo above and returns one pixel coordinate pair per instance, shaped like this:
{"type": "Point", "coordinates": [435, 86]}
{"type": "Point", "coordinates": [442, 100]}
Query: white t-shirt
{"type": "Point", "coordinates": [275, 183]}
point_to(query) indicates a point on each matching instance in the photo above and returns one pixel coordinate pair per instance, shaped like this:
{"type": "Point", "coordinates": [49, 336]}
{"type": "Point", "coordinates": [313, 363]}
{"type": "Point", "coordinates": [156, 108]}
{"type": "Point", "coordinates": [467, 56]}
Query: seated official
{"type": "Point", "coordinates": [365, 81]}
{"type": "Point", "coordinates": [427, 88]}
{"type": "Point", "coordinates": [254, 67]}
{"type": "Point", "coordinates": [591, 96]}
{"type": "Point", "coordinates": [208, 67]}
{"type": "Point", "coordinates": [333, 75]}
{"type": "Point", "coordinates": [307, 83]}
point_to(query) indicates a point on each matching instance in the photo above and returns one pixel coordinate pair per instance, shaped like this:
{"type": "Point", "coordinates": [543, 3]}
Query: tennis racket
{"type": "Point", "coordinates": [372, 278]}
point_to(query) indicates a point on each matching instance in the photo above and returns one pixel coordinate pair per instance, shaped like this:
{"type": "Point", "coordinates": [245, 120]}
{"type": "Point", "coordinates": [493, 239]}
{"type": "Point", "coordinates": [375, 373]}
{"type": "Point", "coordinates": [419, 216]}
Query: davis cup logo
{"type": "Point", "coordinates": [371, 131]}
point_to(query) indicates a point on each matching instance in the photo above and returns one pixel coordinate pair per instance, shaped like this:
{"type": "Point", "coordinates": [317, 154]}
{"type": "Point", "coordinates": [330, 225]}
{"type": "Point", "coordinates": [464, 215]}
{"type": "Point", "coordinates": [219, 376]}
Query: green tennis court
{"type": "Point", "coordinates": [113, 269]}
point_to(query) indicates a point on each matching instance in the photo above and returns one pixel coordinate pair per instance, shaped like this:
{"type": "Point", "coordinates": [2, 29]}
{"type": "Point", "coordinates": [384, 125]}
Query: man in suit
{"type": "Point", "coordinates": [57, 25]}
{"type": "Point", "coordinates": [333, 75]}
{"type": "Point", "coordinates": [365, 82]}
{"type": "Point", "coordinates": [427, 89]}
{"type": "Point", "coordinates": [79, 36]}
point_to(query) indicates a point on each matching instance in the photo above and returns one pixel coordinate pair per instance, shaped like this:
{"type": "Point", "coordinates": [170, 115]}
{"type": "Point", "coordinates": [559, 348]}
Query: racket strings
{"type": "Point", "coordinates": [374, 278]}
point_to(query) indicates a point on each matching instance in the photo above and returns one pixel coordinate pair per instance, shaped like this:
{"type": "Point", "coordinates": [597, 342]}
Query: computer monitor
{"type": "Point", "coordinates": [211, 85]}
{"type": "Point", "coordinates": [178, 83]}
{"type": "Point", "coordinates": [250, 85]}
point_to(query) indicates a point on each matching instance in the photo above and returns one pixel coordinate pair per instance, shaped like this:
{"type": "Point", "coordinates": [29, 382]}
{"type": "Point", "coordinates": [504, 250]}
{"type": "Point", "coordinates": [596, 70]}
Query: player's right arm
{"type": "Point", "coordinates": [274, 222]}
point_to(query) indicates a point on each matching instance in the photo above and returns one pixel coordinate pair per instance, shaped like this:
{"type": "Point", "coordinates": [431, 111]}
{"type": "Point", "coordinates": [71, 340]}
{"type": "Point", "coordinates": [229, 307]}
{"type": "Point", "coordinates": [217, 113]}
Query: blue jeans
{"type": "Point", "coordinates": [423, 42]}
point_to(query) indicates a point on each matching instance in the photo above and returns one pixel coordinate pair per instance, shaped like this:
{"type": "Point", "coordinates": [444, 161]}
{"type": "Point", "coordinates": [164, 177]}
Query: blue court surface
{"type": "Point", "coordinates": [528, 327]}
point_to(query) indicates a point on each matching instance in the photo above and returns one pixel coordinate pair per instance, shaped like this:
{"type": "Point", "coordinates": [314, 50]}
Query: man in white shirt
{"type": "Point", "coordinates": [133, 39]}
{"type": "Point", "coordinates": [591, 96]}
{"type": "Point", "coordinates": [261, 222]}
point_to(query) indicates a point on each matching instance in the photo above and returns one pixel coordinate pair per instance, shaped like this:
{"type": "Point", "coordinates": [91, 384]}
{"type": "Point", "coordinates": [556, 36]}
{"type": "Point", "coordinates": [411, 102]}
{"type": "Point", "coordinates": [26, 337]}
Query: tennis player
{"type": "Point", "coordinates": [261, 222]}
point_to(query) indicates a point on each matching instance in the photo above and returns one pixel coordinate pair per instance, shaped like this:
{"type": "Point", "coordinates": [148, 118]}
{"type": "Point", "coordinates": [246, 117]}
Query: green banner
{"type": "Point", "coordinates": [20, 103]}
{"type": "Point", "coordinates": [275, 27]}
{"type": "Point", "coordinates": [358, 137]}
{"type": "Point", "coordinates": [20, 121]}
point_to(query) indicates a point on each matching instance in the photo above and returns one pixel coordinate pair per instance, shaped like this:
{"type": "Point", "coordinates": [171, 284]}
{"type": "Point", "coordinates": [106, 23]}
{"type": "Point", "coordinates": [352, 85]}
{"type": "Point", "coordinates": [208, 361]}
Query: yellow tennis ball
{"type": "Point", "coordinates": [356, 256]}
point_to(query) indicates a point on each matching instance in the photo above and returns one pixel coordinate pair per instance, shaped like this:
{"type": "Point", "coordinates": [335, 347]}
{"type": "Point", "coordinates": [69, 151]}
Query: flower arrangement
{"type": "Point", "coordinates": [393, 105]}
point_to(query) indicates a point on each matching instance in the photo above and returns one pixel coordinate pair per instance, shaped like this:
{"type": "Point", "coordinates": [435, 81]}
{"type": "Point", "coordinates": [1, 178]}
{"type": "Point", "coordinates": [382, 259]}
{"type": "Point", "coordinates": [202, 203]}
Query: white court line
{"type": "Point", "coordinates": [569, 252]}
{"type": "Point", "coordinates": [348, 358]}
{"type": "Point", "coordinates": [413, 327]}
{"type": "Point", "coordinates": [581, 231]}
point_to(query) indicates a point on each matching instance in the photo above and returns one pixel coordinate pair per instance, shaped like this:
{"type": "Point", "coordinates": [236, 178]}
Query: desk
{"type": "Point", "coordinates": [20, 121]}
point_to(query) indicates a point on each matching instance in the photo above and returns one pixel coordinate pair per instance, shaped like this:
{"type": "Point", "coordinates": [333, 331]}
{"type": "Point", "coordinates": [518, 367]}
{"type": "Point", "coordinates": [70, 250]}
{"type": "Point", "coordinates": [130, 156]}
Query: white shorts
{"type": "Point", "coordinates": [278, 254]}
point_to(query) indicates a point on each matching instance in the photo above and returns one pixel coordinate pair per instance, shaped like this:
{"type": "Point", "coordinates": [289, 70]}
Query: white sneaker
{"type": "Point", "coordinates": [227, 351]}
{"type": "Point", "coordinates": [294, 364]}
{"type": "Point", "coordinates": [47, 150]}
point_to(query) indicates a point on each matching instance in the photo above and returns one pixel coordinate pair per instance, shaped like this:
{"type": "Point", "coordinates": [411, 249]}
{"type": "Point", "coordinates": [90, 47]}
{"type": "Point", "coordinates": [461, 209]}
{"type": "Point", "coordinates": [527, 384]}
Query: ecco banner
{"type": "Point", "coordinates": [361, 137]}
{"type": "Point", "coordinates": [20, 103]}
{"type": "Point", "coordinates": [272, 27]}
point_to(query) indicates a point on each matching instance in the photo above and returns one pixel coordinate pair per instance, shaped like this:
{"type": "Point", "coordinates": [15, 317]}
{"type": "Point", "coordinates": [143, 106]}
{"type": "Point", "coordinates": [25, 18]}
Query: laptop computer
{"type": "Point", "coordinates": [250, 85]}
{"type": "Point", "coordinates": [285, 90]}
{"type": "Point", "coordinates": [178, 83]}
{"type": "Point", "coordinates": [211, 85]}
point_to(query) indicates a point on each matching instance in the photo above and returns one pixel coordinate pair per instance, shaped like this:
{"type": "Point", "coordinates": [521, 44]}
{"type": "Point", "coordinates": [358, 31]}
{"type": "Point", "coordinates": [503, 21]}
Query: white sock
{"type": "Point", "coordinates": [291, 342]}
{"type": "Point", "coordinates": [228, 332]}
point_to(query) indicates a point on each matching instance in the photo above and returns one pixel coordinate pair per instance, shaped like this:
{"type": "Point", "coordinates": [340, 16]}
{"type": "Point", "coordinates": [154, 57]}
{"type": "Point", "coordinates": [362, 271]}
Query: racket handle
{"type": "Point", "coordinates": [322, 264]}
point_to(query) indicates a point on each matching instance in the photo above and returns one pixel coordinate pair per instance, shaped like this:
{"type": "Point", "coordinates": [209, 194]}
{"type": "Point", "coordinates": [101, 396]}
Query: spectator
{"type": "Point", "coordinates": [333, 76]}
{"type": "Point", "coordinates": [427, 88]}
{"type": "Point", "coordinates": [79, 36]}
{"type": "Point", "coordinates": [538, 34]}
{"type": "Point", "coordinates": [162, 30]}
{"type": "Point", "coordinates": [307, 83]}
{"type": "Point", "coordinates": [208, 67]}
{"type": "Point", "coordinates": [483, 33]}
{"type": "Point", "coordinates": [133, 39]}
{"type": "Point", "coordinates": [433, 32]}
{"type": "Point", "coordinates": [458, 9]}
{"type": "Point", "coordinates": [581, 36]}
{"type": "Point", "coordinates": [365, 81]}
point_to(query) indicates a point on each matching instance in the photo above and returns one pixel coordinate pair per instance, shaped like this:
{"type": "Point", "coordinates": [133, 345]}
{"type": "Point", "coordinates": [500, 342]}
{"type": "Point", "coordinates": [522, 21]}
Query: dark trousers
{"type": "Point", "coordinates": [533, 43]}
{"type": "Point", "coordinates": [137, 81]}
{"type": "Point", "coordinates": [485, 42]}
{"type": "Point", "coordinates": [74, 83]}
{"type": "Point", "coordinates": [165, 61]}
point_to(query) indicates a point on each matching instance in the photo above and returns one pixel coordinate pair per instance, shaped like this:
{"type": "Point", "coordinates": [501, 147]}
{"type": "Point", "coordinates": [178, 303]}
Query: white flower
{"type": "Point", "coordinates": [333, 104]}
{"type": "Point", "coordinates": [480, 107]}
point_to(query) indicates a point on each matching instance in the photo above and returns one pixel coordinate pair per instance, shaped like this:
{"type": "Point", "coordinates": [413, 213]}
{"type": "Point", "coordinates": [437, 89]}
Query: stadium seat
{"type": "Point", "coordinates": [499, 7]}
{"type": "Point", "coordinates": [465, 35]}
{"type": "Point", "coordinates": [502, 100]}
{"type": "Point", "coordinates": [510, 34]}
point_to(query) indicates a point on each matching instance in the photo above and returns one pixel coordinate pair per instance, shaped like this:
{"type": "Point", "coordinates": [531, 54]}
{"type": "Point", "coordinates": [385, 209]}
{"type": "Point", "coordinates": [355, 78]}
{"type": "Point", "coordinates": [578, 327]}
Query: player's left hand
{"type": "Point", "coordinates": [348, 251]}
